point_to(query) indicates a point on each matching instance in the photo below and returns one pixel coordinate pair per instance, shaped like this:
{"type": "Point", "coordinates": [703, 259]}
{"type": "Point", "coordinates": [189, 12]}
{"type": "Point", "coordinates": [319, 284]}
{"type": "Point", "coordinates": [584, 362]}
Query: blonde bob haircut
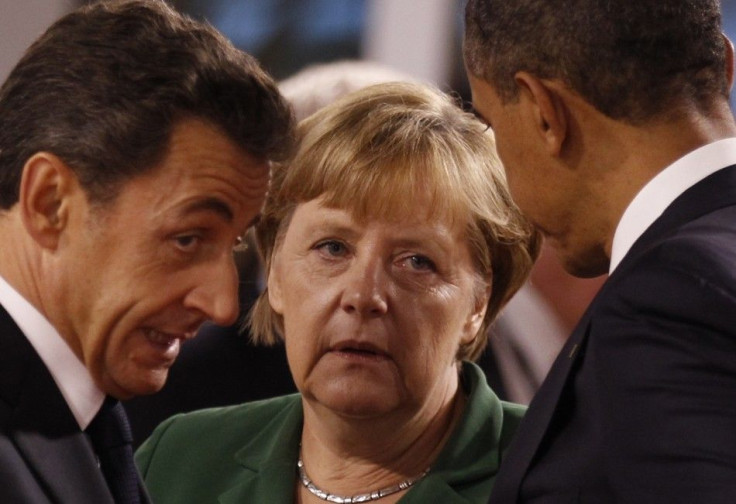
{"type": "Point", "coordinates": [390, 150]}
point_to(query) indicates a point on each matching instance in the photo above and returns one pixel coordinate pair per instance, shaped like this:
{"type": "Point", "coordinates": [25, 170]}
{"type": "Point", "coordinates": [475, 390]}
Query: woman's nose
{"type": "Point", "coordinates": [364, 291]}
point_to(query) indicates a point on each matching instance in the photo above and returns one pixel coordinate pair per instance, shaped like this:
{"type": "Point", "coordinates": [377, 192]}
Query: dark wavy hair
{"type": "Point", "coordinates": [103, 87]}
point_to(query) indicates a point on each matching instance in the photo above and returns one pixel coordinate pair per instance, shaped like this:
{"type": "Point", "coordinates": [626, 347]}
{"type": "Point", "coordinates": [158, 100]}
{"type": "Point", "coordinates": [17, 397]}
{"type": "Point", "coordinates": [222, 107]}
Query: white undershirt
{"type": "Point", "coordinates": [71, 376]}
{"type": "Point", "coordinates": [664, 188]}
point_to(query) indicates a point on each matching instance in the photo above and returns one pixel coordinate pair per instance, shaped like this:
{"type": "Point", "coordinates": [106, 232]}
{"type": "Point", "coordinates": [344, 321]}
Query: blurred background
{"type": "Point", "coordinates": [419, 37]}
{"type": "Point", "coordinates": [287, 35]}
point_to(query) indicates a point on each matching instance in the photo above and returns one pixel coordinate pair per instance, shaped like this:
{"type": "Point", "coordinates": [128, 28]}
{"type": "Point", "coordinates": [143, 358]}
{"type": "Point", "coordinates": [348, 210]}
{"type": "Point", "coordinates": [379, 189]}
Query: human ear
{"type": "Point", "coordinates": [476, 316]}
{"type": "Point", "coordinates": [45, 192]}
{"type": "Point", "coordinates": [275, 294]}
{"type": "Point", "coordinates": [729, 59]}
{"type": "Point", "coordinates": [546, 110]}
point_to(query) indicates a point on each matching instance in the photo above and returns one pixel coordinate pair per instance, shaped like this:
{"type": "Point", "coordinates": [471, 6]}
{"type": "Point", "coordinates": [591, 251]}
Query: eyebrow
{"type": "Point", "coordinates": [210, 205]}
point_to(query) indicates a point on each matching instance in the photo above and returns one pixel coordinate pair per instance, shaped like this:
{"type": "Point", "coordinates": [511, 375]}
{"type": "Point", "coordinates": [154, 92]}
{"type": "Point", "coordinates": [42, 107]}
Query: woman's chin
{"type": "Point", "coordinates": [358, 402]}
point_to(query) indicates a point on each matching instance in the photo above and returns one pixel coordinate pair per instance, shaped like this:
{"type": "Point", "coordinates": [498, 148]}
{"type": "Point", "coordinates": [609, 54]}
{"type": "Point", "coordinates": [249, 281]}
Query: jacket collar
{"type": "Point", "coordinates": [273, 453]}
{"type": "Point", "coordinates": [42, 426]}
{"type": "Point", "coordinates": [712, 193]}
{"type": "Point", "coordinates": [267, 457]}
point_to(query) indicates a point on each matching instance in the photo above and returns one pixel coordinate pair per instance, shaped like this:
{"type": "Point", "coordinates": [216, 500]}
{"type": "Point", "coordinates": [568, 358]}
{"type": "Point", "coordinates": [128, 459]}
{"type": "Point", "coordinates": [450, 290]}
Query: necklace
{"type": "Point", "coordinates": [365, 497]}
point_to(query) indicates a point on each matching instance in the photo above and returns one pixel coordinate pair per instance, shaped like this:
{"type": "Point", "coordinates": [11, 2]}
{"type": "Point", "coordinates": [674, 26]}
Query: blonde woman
{"type": "Point", "coordinates": [390, 243]}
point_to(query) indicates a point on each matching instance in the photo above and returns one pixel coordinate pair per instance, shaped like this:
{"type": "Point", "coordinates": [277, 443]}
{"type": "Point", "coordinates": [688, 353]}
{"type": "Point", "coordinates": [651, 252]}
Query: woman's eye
{"type": "Point", "coordinates": [422, 263]}
{"type": "Point", "coordinates": [333, 248]}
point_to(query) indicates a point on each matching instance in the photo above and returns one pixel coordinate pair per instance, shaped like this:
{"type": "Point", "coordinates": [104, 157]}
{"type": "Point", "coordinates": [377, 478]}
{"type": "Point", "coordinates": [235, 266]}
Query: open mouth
{"type": "Point", "coordinates": [161, 338]}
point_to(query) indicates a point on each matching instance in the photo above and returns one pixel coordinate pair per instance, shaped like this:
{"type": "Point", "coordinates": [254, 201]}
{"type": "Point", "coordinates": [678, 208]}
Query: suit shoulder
{"type": "Point", "coordinates": [705, 247]}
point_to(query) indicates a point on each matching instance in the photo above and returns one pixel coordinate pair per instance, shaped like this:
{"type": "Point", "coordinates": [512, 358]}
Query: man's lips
{"type": "Point", "coordinates": [164, 338]}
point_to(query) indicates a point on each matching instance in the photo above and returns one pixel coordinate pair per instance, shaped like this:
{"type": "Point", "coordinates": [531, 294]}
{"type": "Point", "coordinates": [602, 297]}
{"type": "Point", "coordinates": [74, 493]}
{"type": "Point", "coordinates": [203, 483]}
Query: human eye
{"type": "Point", "coordinates": [332, 248]}
{"type": "Point", "coordinates": [187, 242]}
{"type": "Point", "coordinates": [420, 262]}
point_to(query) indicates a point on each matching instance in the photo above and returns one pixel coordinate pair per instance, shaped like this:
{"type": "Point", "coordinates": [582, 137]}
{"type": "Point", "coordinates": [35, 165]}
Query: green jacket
{"type": "Point", "coordinates": [248, 453]}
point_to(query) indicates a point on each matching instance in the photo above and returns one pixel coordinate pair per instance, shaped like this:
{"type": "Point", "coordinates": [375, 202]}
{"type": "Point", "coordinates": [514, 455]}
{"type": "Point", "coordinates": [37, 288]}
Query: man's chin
{"type": "Point", "coordinates": [144, 383]}
{"type": "Point", "coordinates": [588, 266]}
{"type": "Point", "coordinates": [588, 262]}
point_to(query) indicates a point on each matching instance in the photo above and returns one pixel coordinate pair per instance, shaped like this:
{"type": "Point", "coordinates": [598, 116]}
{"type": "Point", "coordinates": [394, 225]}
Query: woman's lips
{"type": "Point", "coordinates": [359, 350]}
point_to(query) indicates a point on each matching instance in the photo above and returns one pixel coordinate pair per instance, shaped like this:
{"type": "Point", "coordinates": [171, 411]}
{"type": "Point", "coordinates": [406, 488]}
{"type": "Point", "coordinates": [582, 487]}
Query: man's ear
{"type": "Point", "coordinates": [45, 192]}
{"type": "Point", "coordinates": [547, 110]}
{"type": "Point", "coordinates": [729, 59]}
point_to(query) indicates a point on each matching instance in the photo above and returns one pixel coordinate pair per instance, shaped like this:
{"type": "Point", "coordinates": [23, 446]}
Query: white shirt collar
{"type": "Point", "coordinates": [664, 188]}
{"type": "Point", "coordinates": [71, 376]}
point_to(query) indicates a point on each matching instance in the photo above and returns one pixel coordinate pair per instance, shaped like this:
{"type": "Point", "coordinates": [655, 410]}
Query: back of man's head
{"type": "Point", "coordinates": [104, 86]}
{"type": "Point", "coordinates": [631, 59]}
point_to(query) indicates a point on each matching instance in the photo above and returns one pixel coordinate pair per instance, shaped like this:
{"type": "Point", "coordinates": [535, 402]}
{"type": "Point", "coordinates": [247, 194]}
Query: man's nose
{"type": "Point", "coordinates": [215, 294]}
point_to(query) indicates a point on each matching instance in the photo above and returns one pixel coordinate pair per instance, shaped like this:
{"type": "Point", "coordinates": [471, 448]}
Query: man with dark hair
{"type": "Point", "coordinates": [134, 153]}
{"type": "Point", "coordinates": [613, 122]}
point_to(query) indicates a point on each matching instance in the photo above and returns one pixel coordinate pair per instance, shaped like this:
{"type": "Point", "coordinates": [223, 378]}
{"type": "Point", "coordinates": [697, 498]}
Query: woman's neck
{"type": "Point", "coordinates": [349, 456]}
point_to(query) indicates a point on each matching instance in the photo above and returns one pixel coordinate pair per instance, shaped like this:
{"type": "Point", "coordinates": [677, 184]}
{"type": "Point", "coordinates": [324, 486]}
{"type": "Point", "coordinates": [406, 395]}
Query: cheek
{"type": "Point", "coordinates": [430, 329]}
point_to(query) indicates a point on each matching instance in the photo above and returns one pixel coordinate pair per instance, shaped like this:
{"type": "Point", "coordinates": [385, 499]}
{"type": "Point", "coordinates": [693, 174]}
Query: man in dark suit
{"type": "Point", "coordinates": [134, 153]}
{"type": "Point", "coordinates": [613, 122]}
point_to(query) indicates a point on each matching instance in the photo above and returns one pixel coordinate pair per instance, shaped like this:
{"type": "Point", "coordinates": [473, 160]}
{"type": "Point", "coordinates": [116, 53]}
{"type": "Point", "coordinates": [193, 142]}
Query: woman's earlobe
{"type": "Point", "coordinates": [273, 287]}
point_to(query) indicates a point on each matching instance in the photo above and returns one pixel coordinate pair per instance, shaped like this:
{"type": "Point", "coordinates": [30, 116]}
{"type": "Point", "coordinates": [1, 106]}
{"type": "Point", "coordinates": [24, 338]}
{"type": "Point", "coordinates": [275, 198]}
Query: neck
{"type": "Point", "coordinates": [656, 146]}
{"type": "Point", "coordinates": [613, 160]}
{"type": "Point", "coordinates": [348, 456]}
{"type": "Point", "coordinates": [19, 260]}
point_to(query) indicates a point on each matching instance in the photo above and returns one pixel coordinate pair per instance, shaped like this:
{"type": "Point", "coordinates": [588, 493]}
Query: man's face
{"type": "Point", "coordinates": [141, 274]}
{"type": "Point", "coordinates": [555, 197]}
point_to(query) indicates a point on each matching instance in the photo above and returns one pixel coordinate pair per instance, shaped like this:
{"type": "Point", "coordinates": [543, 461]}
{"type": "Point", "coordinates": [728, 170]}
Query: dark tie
{"type": "Point", "coordinates": [111, 437]}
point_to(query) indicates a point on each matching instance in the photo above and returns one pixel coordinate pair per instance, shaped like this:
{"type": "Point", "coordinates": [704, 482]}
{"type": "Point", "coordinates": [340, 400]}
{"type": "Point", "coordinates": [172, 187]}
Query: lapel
{"type": "Point", "coordinates": [712, 193]}
{"type": "Point", "coordinates": [466, 459]}
{"type": "Point", "coordinates": [42, 426]}
{"type": "Point", "coordinates": [266, 459]}
{"type": "Point", "coordinates": [535, 422]}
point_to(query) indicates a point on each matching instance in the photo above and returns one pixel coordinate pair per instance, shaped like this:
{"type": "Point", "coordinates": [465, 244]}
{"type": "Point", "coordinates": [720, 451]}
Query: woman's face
{"type": "Point", "coordinates": [374, 312]}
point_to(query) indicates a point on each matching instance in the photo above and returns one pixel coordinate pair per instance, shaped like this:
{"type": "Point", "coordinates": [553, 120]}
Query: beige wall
{"type": "Point", "coordinates": [21, 22]}
{"type": "Point", "coordinates": [412, 36]}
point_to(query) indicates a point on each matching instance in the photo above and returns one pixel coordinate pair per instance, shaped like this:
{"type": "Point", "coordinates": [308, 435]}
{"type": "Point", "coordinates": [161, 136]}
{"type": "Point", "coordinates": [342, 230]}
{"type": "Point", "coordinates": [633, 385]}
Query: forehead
{"type": "Point", "coordinates": [202, 171]}
{"type": "Point", "coordinates": [422, 222]}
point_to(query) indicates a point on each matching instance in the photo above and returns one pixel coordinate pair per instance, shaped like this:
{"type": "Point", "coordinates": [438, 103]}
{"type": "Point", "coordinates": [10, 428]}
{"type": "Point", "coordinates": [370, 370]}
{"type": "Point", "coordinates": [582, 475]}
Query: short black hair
{"type": "Point", "coordinates": [633, 60]}
{"type": "Point", "coordinates": [103, 87]}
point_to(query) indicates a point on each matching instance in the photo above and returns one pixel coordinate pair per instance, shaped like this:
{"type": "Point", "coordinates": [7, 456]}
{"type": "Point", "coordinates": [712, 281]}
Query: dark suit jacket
{"type": "Point", "coordinates": [44, 456]}
{"type": "Point", "coordinates": [640, 406]}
